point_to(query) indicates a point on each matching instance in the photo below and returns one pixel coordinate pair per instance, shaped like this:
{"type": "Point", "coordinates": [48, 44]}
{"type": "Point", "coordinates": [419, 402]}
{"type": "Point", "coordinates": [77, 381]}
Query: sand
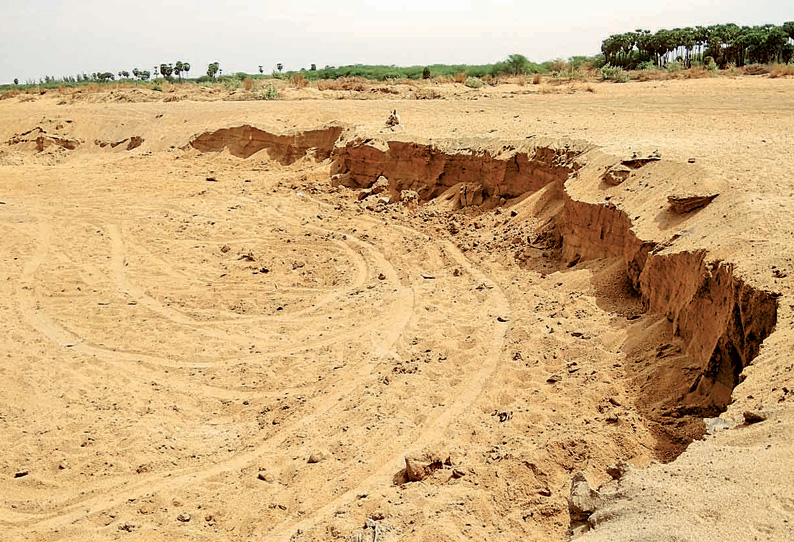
{"type": "Point", "coordinates": [199, 345]}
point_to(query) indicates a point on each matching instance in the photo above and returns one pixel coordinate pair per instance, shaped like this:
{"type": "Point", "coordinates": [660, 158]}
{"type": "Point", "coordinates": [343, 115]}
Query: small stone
{"type": "Point", "coordinates": [184, 518]}
{"type": "Point", "coordinates": [265, 477]}
{"type": "Point", "coordinates": [381, 185]}
{"type": "Point", "coordinates": [616, 175]}
{"type": "Point", "coordinates": [225, 248]}
{"type": "Point", "coordinates": [21, 474]}
{"type": "Point", "coordinates": [583, 500]}
{"type": "Point", "coordinates": [377, 516]}
{"type": "Point", "coordinates": [754, 416]}
{"type": "Point", "coordinates": [316, 457]}
{"type": "Point", "coordinates": [691, 160]}
{"type": "Point", "coordinates": [686, 204]}
{"type": "Point", "coordinates": [381, 276]}
{"type": "Point", "coordinates": [419, 468]}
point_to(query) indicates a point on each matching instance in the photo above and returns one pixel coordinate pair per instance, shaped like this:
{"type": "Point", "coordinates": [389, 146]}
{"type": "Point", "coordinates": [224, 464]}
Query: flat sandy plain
{"type": "Point", "coordinates": [206, 346]}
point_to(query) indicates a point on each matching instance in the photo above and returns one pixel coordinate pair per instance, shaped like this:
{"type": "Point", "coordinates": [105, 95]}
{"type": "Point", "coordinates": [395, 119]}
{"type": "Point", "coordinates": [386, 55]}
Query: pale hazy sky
{"type": "Point", "coordinates": [56, 37]}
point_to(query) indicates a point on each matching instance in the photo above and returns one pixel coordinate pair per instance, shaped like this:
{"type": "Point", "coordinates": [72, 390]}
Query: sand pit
{"type": "Point", "coordinates": [283, 321]}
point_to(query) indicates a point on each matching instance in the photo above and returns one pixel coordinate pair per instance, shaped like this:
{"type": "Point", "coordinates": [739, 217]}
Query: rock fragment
{"type": "Point", "coordinates": [754, 416]}
{"type": "Point", "coordinates": [583, 500]}
{"type": "Point", "coordinates": [419, 468]}
{"type": "Point", "coordinates": [687, 204]}
{"type": "Point", "coordinates": [616, 175]}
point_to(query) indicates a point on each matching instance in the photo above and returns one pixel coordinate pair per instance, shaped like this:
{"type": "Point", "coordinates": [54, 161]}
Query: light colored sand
{"type": "Point", "coordinates": [148, 373]}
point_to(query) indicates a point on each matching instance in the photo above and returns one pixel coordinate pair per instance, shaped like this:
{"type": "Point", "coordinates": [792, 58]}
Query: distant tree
{"type": "Point", "coordinates": [145, 75]}
{"type": "Point", "coordinates": [104, 77]}
{"type": "Point", "coordinates": [178, 67]}
{"type": "Point", "coordinates": [426, 73]}
{"type": "Point", "coordinates": [261, 69]}
{"type": "Point", "coordinates": [16, 81]}
{"type": "Point", "coordinates": [313, 68]}
{"type": "Point", "coordinates": [186, 68]}
{"type": "Point", "coordinates": [279, 67]}
{"type": "Point", "coordinates": [518, 64]}
{"type": "Point", "coordinates": [212, 70]}
{"type": "Point", "coordinates": [166, 70]}
{"type": "Point", "coordinates": [136, 73]}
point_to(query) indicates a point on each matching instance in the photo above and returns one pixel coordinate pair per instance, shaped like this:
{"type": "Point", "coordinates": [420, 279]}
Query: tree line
{"type": "Point", "coordinates": [723, 44]}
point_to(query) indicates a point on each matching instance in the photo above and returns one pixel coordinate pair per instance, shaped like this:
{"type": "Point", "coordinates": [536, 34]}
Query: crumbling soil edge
{"type": "Point", "coordinates": [717, 319]}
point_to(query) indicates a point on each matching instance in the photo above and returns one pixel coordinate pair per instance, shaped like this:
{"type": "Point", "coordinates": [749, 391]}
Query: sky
{"type": "Point", "coordinates": [56, 37]}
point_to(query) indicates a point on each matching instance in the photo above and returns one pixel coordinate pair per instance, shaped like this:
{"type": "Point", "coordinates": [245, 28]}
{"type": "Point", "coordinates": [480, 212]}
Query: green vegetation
{"type": "Point", "coordinates": [614, 73]}
{"type": "Point", "coordinates": [514, 65]}
{"type": "Point", "coordinates": [707, 48]}
{"type": "Point", "coordinates": [726, 45]}
{"type": "Point", "coordinates": [213, 69]}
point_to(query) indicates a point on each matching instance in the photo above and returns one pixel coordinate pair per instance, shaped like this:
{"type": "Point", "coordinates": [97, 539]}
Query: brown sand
{"type": "Point", "coordinates": [223, 345]}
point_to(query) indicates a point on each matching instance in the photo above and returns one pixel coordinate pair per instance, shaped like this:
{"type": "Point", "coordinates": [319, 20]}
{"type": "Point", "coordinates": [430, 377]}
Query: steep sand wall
{"type": "Point", "coordinates": [721, 320]}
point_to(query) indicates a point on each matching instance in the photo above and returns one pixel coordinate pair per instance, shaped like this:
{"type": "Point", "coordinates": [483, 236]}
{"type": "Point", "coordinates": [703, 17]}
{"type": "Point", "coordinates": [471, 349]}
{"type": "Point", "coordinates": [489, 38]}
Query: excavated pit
{"type": "Point", "coordinates": [702, 323]}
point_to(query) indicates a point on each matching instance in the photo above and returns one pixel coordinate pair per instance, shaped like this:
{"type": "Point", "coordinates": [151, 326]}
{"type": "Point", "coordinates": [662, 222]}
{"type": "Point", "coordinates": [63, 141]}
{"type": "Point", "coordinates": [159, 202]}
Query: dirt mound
{"type": "Point", "coordinates": [38, 140]}
{"type": "Point", "coordinates": [245, 141]}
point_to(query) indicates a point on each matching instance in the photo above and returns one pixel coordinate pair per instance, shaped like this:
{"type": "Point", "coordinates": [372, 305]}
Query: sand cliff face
{"type": "Point", "coordinates": [719, 320]}
{"type": "Point", "coordinates": [499, 171]}
{"type": "Point", "coordinates": [244, 141]}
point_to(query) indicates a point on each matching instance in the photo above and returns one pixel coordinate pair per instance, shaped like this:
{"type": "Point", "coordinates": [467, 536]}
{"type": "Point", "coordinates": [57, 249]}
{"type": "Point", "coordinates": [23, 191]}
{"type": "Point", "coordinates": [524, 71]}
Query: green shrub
{"type": "Point", "coordinates": [474, 82]}
{"type": "Point", "coordinates": [673, 67]}
{"type": "Point", "coordinates": [614, 73]}
{"type": "Point", "coordinates": [232, 83]}
{"type": "Point", "coordinates": [267, 93]}
{"type": "Point", "coordinates": [646, 65]}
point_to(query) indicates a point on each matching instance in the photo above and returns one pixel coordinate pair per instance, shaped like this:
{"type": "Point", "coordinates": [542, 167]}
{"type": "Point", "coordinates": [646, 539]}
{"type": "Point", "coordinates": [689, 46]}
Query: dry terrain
{"type": "Point", "coordinates": [226, 319]}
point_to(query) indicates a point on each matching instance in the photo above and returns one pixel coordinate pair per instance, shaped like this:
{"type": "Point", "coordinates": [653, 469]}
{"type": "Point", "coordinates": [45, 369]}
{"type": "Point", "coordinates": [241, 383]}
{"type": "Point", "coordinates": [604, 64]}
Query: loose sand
{"type": "Point", "coordinates": [202, 346]}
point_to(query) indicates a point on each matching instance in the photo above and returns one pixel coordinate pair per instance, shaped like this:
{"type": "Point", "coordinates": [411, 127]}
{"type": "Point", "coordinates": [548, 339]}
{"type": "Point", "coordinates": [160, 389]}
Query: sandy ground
{"type": "Point", "coordinates": [199, 346]}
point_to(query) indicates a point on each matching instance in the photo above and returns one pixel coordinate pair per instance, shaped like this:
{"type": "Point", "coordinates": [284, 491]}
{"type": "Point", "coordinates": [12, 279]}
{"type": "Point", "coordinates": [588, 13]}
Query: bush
{"type": "Point", "coordinates": [271, 93]}
{"type": "Point", "coordinates": [614, 73]}
{"type": "Point", "coordinates": [231, 83]}
{"type": "Point", "coordinates": [248, 84]}
{"type": "Point", "coordinates": [474, 82]}
{"type": "Point", "coordinates": [460, 78]}
{"type": "Point", "coordinates": [645, 66]}
{"type": "Point", "coordinates": [674, 67]}
{"type": "Point", "coordinates": [298, 80]}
